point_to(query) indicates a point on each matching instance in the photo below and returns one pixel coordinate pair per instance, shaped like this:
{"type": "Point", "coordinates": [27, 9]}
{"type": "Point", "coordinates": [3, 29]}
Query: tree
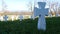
{"type": "Point", "coordinates": [54, 8]}
{"type": "Point", "coordinates": [30, 6]}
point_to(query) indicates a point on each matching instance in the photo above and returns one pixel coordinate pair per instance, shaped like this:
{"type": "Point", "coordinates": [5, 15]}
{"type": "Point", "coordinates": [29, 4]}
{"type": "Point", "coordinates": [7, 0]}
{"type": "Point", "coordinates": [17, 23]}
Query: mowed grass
{"type": "Point", "coordinates": [29, 26]}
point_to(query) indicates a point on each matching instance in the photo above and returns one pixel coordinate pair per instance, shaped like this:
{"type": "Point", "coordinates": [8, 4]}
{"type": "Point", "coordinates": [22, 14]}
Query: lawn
{"type": "Point", "coordinates": [29, 26]}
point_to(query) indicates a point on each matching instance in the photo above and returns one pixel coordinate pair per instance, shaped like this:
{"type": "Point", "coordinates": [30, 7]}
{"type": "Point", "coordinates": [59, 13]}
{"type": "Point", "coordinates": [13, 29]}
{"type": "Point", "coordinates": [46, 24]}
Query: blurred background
{"type": "Point", "coordinates": [13, 9]}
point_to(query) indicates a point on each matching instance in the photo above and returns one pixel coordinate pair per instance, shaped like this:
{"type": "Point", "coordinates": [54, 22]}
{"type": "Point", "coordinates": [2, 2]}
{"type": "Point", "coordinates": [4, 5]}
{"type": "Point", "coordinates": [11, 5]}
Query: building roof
{"type": "Point", "coordinates": [15, 13]}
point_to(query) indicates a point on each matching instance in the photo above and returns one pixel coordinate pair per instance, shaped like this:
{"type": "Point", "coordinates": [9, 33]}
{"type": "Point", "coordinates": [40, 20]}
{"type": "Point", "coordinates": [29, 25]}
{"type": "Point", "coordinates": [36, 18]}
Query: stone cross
{"type": "Point", "coordinates": [12, 17]}
{"type": "Point", "coordinates": [5, 17]}
{"type": "Point", "coordinates": [41, 12]}
{"type": "Point", "coordinates": [32, 17]}
{"type": "Point", "coordinates": [21, 17]}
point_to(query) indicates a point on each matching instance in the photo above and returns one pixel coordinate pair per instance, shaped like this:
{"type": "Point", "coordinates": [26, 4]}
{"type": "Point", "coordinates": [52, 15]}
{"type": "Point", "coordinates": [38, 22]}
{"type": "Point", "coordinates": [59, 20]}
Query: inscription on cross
{"type": "Point", "coordinates": [41, 12]}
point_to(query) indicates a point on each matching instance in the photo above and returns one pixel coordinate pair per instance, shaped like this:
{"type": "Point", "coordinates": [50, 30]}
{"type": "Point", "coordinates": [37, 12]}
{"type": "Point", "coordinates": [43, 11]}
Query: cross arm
{"type": "Point", "coordinates": [46, 11]}
{"type": "Point", "coordinates": [36, 11]}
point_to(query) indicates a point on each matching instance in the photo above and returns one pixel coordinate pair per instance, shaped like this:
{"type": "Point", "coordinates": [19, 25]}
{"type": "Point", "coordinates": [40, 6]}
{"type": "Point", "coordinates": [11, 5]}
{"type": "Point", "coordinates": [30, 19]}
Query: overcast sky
{"type": "Point", "coordinates": [15, 5]}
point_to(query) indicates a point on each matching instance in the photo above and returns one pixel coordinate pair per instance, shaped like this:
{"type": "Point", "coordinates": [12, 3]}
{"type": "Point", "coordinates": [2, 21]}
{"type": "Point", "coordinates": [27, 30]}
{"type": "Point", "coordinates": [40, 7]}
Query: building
{"type": "Point", "coordinates": [15, 15]}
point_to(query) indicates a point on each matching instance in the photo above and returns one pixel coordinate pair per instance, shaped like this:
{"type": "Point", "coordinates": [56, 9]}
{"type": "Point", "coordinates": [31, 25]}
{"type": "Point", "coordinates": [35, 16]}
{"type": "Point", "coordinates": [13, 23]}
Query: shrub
{"type": "Point", "coordinates": [29, 26]}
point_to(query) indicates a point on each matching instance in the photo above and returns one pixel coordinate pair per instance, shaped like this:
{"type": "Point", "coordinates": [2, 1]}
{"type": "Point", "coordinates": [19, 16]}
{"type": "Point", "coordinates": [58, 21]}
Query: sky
{"type": "Point", "coordinates": [18, 5]}
{"type": "Point", "coordinates": [15, 5]}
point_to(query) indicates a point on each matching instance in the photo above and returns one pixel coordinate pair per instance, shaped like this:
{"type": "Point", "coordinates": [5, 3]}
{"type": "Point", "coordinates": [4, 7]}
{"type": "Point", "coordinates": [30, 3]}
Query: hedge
{"type": "Point", "coordinates": [29, 26]}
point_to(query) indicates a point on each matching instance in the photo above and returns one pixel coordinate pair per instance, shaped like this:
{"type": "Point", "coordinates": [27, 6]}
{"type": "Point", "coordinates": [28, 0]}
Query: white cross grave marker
{"type": "Point", "coordinates": [41, 12]}
{"type": "Point", "coordinates": [5, 17]}
{"type": "Point", "coordinates": [21, 17]}
{"type": "Point", "coordinates": [32, 17]}
{"type": "Point", "coordinates": [1, 18]}
{"type": "Point", "coordinates": [12, 18]}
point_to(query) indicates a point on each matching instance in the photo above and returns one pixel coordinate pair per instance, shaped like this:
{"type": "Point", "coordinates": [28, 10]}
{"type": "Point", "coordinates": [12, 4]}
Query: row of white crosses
{"type": "Point", "coordinates": [41, 12]}
{"type": "Point", "coordinates": [6, 18]}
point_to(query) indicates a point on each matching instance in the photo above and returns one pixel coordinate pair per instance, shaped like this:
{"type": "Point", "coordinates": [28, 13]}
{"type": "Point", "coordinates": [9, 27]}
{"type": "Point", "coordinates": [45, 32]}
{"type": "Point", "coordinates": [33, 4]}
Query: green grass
{"type": "Point", "coordinates": [29, 26]}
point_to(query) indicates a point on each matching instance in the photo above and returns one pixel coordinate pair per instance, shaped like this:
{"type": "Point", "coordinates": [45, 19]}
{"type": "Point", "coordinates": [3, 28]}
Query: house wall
{"type": "Point", "coordinates": [14, 17]}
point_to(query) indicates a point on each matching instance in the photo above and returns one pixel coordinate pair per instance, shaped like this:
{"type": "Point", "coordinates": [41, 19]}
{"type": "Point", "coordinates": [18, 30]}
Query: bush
{"type": "Point", "coordinates": [29, 26]}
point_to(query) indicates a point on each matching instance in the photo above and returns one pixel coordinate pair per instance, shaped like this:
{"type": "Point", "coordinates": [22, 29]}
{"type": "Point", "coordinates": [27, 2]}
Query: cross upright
{"type": "Point", "coordinates": [5, 17]}
{"type": "Point", "coordinates": [41, 12]}
{"type": "Point", "coordinates": [21, 17]}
